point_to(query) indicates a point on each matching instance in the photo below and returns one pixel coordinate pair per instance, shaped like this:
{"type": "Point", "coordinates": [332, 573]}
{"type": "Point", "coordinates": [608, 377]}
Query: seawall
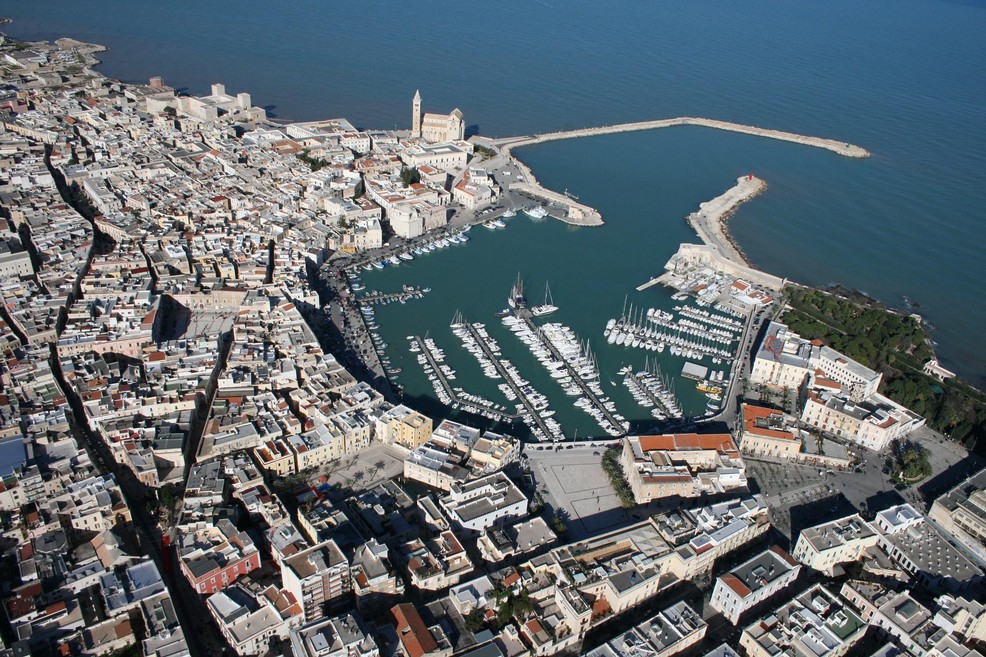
{"type": "Point", "coordinates": [840, 147]}
{"type": "Point", "coordinates": [709, 222]}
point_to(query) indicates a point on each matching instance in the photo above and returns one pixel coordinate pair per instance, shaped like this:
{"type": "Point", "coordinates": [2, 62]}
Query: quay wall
{"type": "Point", "coordinates": [708, 254]}
{"type": "Point", "coordinates": [577, 215]}
{"type": "Point", "coordinates": [839, 147]}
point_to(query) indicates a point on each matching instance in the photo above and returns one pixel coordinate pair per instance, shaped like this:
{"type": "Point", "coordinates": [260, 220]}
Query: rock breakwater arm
{"type": "Point", "coordinates": [840, 147]}
{"type": "Point", "coordinates": [710, 220]}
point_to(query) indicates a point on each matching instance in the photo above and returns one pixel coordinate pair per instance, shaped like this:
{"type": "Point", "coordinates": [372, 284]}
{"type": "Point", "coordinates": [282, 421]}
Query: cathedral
{"type": "Point", "coordinates": [436, 127]}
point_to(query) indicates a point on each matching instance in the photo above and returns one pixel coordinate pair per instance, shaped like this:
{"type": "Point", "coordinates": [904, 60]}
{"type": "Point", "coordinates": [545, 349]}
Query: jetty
{"type": "Point", "coordinates": [573, 374]}
{"type": "Point", "coordinates": [669, 413]}
{"type": "Point", "coordinates": [710, 219]}
{"type": "Point", "coordinates": [403, 296]}
{"type": "Point", "coordinates": [840, 147]}
{"type": "Point", "coordinates": [458, 401]}
{"type": "Point", "coordinates": [534, 415]}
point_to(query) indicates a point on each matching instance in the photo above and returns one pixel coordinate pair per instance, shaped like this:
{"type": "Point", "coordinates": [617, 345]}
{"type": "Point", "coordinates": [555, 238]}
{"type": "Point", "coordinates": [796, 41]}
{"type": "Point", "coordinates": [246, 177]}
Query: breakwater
{"type": "Point", "coordinates": [710, 220]}
{"type": "Point", "coordinates": [840, 147]}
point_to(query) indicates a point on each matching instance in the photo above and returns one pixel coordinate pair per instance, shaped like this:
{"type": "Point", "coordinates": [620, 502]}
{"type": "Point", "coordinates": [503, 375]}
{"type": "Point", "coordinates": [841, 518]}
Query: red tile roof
{"type": "Point", "coordinates": [411, 630]}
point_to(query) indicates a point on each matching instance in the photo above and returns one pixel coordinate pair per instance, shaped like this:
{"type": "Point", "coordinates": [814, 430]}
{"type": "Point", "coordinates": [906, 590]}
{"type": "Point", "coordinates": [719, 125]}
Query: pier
{"type": "Point", "coordinates": [387, 297]}
{"type": "Point", "coordinates": [434, 366]}
{"type": "Point", "coordinates": [709, 222]}
{"type": "Point", "coordinates": [840, 147]}
{"type": "Point", "coordinates": [671, 414]}
{"type": "Point", "coordinates": [591, 396]}
{"type": "Point", "coordinates": [464, 404]}
{"type": "Point", "coordinates": [535, 416]}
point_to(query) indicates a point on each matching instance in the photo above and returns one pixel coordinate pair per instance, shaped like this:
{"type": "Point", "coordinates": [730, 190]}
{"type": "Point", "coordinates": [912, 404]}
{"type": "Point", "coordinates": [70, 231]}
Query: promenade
{"type": "Point", "coordinates": [840, 147]}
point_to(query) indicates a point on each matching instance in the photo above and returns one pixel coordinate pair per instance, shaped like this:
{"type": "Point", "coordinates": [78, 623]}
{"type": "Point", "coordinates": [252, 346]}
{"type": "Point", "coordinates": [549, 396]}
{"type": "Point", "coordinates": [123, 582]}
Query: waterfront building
{"type": "Point", "coordinates": [753, 582]}
{"type": "Point", "coordinates": [436, 127]}
{"type": "Point", "coordinates": [961, 512]}
{"type": "Point", "coordinates": [933, 368]}
{"type": "Point", "coordinates": [783, 358]}
{"type": "Point", "coordinates": [786, 360]}
{"type": "Point", "coordinates": [493, 452]}
{"type": "Point", "coordinates": [827, 546]}
{"type": "Point", "coordinates": [218, 104]}
{"type": "Point", "coordinates": [449, 156]}
{"type": "Point", "coordinates": [686, 465]}
{"type": "Point", "coordinates": [667, 633]}
{"type": "Point", "coordinates": [873, 422]}
{"type": "Point", "coordinates": [475, 189]}
{"type": "Point", "coordinates": [319, 578]}
{"type": "Point", "coordinates": [403, 426]}
{"type": "Point", "coordinates": [814, 623]}
{"type": "Point", "coordinates": [477, 505]}
{"type": "Point", "coordinates": [766, 433]}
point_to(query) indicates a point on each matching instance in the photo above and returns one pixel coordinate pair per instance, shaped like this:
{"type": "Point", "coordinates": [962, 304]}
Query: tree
{"type": "Point", "coordinates": [410, 176]}
{"type": "Point", "coordinates": [475, 621]}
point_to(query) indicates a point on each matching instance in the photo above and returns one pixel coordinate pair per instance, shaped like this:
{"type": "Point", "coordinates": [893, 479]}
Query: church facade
{"type": "Point", "coordinates": [436, 128]}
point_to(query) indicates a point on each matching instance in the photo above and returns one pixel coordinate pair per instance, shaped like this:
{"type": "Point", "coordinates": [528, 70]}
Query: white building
{"type": "Point", "coordinates": [482, 503]}
{"type": "Point", "coordinates": [752, 582]}
{"type": "Point", "coordinates": [825, 547]}
{"type": "Point", "coordinates": [339, 636]}
{"type": "Point", "coordinates": [815, 623]}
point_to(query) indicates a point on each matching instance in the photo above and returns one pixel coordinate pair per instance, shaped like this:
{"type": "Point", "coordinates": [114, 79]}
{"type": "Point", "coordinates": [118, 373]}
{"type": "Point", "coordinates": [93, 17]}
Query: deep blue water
{"type": "Point", "coordinates": [905, 79]}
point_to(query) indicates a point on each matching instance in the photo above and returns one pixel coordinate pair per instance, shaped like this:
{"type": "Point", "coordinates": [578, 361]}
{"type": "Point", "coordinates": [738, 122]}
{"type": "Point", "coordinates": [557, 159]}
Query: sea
{"type": "Point", "coordinates": [905, 79]}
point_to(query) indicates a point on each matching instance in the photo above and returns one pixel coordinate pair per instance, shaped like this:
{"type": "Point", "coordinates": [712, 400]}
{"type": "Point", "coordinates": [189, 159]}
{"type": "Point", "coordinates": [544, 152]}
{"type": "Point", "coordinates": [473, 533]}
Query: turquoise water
{"type": "Point", "coordinates": [905, 79]}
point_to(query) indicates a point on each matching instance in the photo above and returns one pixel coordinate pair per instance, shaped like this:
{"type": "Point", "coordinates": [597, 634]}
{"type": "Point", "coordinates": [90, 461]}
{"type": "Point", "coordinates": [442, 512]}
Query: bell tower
{"type": "Point", "coordinates": [416, 115]}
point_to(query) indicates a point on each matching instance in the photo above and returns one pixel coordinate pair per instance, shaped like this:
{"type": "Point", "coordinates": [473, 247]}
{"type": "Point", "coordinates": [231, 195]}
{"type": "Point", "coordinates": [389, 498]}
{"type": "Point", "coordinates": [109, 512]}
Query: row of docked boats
{"type": "Point", "coordinates": [730, 321]}
{"type": "Point", "coordinates": [656, 332]}
{"type": "Point", "coordinates": [461, 330]}
{"type": "Point", "coordinates": [573, 366]}
{"type": "Point", "coordinates": [422, 249]}
{"type": "Point", "coordinates": [652, 390]}
{"type": "Point", "coordinates": [438, 357]}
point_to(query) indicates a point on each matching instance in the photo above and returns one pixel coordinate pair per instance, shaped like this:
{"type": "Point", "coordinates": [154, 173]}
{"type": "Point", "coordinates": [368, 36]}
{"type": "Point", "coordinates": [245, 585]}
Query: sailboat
{"type": "Point", "coordinates": [517, 298]}
{"type": "Point", "coordinates": [547, 307]}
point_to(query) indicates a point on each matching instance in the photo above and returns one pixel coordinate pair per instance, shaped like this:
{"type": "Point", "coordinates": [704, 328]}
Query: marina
{"type": "Point", "coordinates": [572, 367]}
{"type": "Point", "coordinates": [533, 407]}
{"type": "Point", "coordinates": [431, 358]}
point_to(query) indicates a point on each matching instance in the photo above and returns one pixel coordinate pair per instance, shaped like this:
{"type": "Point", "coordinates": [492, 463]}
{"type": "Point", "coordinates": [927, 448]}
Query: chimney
{"type": "Point", "coordinates": [218, 89]}
{"type": "Point", "coordinates": [157, 82]}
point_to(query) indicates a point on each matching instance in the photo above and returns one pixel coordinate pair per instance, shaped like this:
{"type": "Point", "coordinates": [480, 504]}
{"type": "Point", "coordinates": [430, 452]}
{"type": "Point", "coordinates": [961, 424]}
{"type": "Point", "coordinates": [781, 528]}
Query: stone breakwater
{"type": "Point", "coordinates": [840, 147]}
{"type": "Point", "coordinates": [710, 220]}
{"type": "Point", "coordinates": [713, 233]}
